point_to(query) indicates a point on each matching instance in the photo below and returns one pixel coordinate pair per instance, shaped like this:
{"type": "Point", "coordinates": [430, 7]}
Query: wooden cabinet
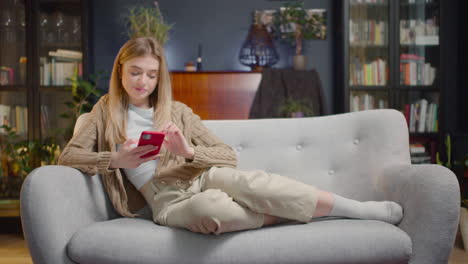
{"type": "Point", "coordinates": [216, 95]}
{"type": "Point", "coordinates": [42, 44]}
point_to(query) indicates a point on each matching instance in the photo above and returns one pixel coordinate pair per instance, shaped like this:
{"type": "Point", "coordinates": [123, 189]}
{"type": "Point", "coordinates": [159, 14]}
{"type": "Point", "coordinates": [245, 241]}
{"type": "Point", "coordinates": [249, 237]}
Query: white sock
{"type": "Point", "coordinates": [385, 211]}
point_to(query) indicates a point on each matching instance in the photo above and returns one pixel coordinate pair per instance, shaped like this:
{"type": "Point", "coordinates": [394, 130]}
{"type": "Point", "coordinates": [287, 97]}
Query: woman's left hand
{"type": "Point", "coordinates": [175, 142]}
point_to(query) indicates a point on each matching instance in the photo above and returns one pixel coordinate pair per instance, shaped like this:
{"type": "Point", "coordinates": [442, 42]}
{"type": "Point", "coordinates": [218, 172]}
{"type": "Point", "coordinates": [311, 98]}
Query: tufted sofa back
{"type": "Point", "coordinates": [342, 153]}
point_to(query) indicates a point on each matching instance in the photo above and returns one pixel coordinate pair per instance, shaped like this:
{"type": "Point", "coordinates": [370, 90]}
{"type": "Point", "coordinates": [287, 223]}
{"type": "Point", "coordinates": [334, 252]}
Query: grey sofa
{"type": "Point", "coordinates": [67, 217]}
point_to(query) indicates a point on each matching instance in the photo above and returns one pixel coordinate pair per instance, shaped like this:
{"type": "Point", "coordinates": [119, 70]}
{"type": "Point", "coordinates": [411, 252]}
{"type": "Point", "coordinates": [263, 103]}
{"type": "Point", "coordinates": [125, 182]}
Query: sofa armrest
{"type": "Point", "coordinates": [430, 197]}
{"type": "Point", "coordinates": [55, 202]}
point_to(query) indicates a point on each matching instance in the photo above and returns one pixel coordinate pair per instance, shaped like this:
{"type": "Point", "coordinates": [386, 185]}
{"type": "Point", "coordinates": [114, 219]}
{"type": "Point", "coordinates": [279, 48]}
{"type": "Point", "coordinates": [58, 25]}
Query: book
{"type": "Point", "coordinates": [414, 70]}
{"type": "Point", "coordinates": [45, 122]}
{"type": "Point", "coordinates": [421, 160]}
{"type": "Point", "coordinates": [417, 148]}
{"type": "Point", "coordinates": [70, 52]}
{"type": "Point", "coordinates": [19, 119]}
{"type": "Point", "coordinates": [381, 104]}
{"type": "Point", "coordinates": [436, 121]}
{"type": "Point", "coordinates": [419, 154]}
{"type": "Point", "coordinates": [61, 57]}
{"type": "Point", "coordinates": [412, 119]}
{"type": "Point", "coordinates": [355, 103]}
{"type": "Point", "coordinates": [422, 116]}
{"type": "Point", "coordinates": [427, 40]}
{"type": "Point", "coordinates": [7, 76]}
{"type": "Point", "coordinates": [4, 116]}
{"type": "Point", "coordinates": [66, 55]}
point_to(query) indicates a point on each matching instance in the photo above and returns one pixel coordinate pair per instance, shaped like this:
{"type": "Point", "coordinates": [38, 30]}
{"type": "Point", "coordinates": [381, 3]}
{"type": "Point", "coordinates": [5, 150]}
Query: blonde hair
{"type": "Point", "coordinates": [116, 122]}
{"type": "Point", "coordinates": [160, 99]}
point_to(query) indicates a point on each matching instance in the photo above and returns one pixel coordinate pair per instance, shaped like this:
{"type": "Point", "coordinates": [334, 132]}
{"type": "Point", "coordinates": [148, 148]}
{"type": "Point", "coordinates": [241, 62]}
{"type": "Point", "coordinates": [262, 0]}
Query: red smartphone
{"type": "Point", "coordinates": [151, 138]}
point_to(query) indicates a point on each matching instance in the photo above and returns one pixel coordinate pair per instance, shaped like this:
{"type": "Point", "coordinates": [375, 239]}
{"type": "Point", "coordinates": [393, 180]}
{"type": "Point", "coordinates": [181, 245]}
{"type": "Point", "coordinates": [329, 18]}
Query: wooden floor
{"type": "Point", "coordinates": [13, 250]}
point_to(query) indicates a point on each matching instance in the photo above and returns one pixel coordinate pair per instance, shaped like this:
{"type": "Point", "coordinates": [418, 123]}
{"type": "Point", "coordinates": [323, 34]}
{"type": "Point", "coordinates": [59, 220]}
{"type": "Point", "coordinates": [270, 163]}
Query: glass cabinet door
{"type": "Point", "coordinates": [13, 101]}
{"type": "Point", "coordinates": [60, 61]}
{"type": "Point", "coordinates": [32, 106]}
{"type": "Point", "coordinates": [419, 42]}
{"type": "Point", "coordinates": [419, 54]}
{"type": "Point", "coordinates": [419, 93]}
{"type": "Point", "coordinates": [368, 54]}
{"type": "Point", "coordinates": [393, 61]}
{"type": "Point", "coordinates": [12, 43]}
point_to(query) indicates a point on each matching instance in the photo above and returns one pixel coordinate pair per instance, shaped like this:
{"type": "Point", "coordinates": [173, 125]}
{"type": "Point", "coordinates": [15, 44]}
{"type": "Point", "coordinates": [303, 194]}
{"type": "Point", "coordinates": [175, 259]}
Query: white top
{"type": "Point", "coordinates": [139, 120]}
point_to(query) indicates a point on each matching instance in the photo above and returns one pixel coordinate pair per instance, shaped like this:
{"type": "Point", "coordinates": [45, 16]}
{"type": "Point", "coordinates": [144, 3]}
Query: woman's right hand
{"type": "Point", "coordinates": [129, 157]}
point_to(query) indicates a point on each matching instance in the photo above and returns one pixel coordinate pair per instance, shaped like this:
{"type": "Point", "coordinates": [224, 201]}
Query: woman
{"type": "Point", "coordinates": [193, 182]}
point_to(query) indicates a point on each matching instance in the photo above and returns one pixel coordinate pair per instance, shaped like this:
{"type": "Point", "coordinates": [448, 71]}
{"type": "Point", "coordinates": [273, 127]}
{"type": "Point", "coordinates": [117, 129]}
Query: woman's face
{"type": "Point", "coordinates": [139, 79]}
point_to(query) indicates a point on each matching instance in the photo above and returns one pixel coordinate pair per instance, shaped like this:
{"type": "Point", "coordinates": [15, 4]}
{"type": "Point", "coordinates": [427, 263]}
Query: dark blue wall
{"type": "Point", "coordinates": [221, 26]}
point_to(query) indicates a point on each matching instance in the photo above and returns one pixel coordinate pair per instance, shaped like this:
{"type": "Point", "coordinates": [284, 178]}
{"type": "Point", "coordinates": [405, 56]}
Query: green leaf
{"type": "Point", "coordinates": [144, 21]}
{"type": "Point", "coordinates": [69, 104]}
{"type": "Point", "coordinates": [96, 92]}
{"type": "Point", "coordinates": [64, 115]}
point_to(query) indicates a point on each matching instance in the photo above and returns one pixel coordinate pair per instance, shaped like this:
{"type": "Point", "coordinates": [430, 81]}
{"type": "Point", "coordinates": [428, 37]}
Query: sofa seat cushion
{"type": "Point", "coordinates": [126, 240]}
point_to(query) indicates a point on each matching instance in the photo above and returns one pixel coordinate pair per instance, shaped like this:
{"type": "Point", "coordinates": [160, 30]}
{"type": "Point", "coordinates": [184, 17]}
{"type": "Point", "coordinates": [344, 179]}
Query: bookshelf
{"type": "Point", "coordinates": [42, 43]}
{"type": "Point", "coordinates": [392, 59]}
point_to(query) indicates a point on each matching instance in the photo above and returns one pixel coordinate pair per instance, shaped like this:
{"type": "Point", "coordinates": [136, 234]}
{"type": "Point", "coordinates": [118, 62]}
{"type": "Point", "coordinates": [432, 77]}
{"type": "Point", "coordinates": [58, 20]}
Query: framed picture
{"type": "Point", "coordinates": [315, 19]}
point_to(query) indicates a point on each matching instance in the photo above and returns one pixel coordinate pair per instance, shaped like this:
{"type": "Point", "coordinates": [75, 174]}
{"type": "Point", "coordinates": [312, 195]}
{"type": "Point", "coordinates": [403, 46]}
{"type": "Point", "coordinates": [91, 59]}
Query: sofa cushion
{"type": "Point", "coordinates": [126, 240]}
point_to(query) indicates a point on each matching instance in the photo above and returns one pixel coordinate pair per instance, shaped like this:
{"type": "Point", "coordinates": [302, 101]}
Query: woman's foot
{"type": "Point", "coordinates": [386, 211]}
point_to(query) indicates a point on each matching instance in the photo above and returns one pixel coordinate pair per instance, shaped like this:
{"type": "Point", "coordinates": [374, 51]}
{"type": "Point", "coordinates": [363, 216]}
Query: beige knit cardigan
{"type": "Point", "coordinates": [89, 152]}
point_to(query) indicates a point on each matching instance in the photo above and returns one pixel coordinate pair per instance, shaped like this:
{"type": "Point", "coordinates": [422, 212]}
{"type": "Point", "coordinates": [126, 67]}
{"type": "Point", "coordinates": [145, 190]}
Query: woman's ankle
{"type": "Point", "coordinates": [324, 204]}
{"type": "Point", "coordinates": [269, 220]}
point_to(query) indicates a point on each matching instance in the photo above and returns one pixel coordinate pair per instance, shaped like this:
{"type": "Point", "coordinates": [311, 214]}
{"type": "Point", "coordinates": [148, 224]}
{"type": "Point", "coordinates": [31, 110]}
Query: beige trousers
{"type": "Point", "coordinates": [225, 200]}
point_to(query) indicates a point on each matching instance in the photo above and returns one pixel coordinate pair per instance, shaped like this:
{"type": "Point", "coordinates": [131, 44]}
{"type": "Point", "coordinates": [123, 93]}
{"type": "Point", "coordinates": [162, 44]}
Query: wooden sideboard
{"type": "Point", "coordinates": [216, 95]}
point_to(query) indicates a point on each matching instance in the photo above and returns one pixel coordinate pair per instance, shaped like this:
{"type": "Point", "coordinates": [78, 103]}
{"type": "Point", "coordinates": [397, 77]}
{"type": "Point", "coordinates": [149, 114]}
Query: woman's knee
{"type": "Point", "coordinates": [208, 202]}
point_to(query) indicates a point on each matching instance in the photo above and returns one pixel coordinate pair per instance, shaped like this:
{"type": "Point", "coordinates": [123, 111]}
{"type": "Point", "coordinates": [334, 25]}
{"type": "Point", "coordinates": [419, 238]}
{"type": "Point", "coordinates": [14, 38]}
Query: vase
{"type": "Point", "coordinates": [299, 62]}
{"type": "Point", "coordinates": [297, 114]}
{"type": "Point", "coordinates": [464, 226]}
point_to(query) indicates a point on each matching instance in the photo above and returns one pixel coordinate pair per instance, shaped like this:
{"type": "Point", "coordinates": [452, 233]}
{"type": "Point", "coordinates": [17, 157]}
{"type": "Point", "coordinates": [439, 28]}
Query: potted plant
{"type": "Point", "coordinates": [19, 158]}
{"type": "Point", "coordinates": [11, 174]}
{"type": "Point", "coordinates": [295, 24]}
{"type": "Point", "coordinates": [84, 94]}
{"type": "Point", "coordinates": [455, 166]}
{"type": "Point", "coordinates": [464, 222]}
{"type": "Point", "coordinates": [147, 22]}
{"type": "Point", "coordinates": [295, 108]}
